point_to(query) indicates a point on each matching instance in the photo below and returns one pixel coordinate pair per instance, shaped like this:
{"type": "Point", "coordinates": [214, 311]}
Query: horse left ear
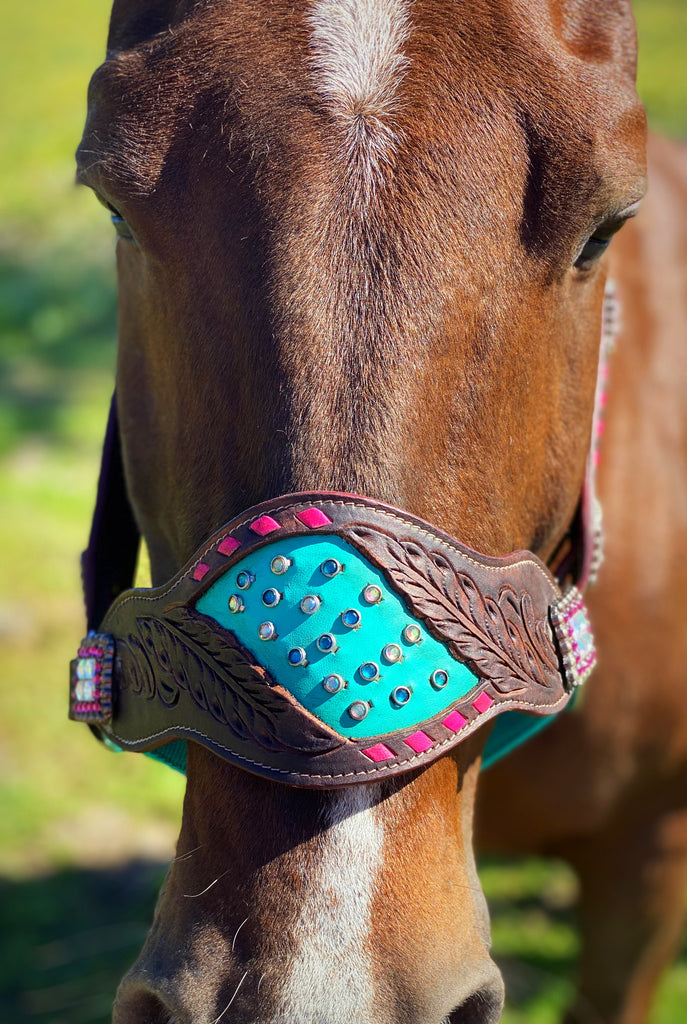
{"type": "Point", "coordinates": [133, 22]}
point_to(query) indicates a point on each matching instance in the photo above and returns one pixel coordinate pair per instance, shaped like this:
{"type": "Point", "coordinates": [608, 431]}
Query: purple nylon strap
{"type": "Point", "coordinates": [108, 564]}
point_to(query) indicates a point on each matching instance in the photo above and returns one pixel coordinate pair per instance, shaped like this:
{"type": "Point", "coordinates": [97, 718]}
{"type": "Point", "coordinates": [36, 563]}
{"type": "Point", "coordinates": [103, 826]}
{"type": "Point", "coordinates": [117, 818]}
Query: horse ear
{"type": "Point", "coordinates": [134, 21]}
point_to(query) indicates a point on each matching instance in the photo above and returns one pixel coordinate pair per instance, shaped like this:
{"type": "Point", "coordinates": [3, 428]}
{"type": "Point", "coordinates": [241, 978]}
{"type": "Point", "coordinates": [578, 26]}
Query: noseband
{"type": "Point", "coordinates": [323, 639]}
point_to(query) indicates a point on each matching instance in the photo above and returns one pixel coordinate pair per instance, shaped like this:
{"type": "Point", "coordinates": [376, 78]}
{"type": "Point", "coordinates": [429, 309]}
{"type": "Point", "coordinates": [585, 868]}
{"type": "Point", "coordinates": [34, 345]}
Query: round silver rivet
{"type": "Point", "coordinates": [267, 631]}
{"type": "Point", "coordinates": [331, 567]}
{"type": "Point", "coordinates": [310, 604]}
{"type": "Point", "coordinates": [412, 634]}
{"type": "Point", "coordinates": [373, 594]}
{"type": "Point", "coordinates": [326, 643]}
{"type": "Point", "coordinates": [439, 678]}
{"type": "Point", "coordinates": [392, 653]}
{"type": "Point", "coordinates": [244, 580]}
{"type": "Point", "coordinates": [235, 604]}
{"type": "Point", "coordinates": [334, 683]}
{"type": "Point", "coordinates": [280, 564]}
{"type": "Point", "coordinates": [351, 618]}
{"type": "Point", "coordinates": [401, 695]}
{"type": "Point", "coordinates": [271, 597]}
{"type": "Point", "coordinates": [358, 710]}
{"type": "Point", "coordinates": [297, 657]}
{"type": "Point", "coordinates": [369, 671]}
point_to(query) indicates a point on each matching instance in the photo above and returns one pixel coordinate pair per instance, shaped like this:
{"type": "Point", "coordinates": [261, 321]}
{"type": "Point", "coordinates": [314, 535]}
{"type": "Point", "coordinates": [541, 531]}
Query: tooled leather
{"type": "Point", "coordinates": [178, 674]}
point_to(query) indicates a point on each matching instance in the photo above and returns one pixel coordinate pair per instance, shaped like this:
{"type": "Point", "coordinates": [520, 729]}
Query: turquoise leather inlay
{"type": "Point", "coordinates": [381, 624]}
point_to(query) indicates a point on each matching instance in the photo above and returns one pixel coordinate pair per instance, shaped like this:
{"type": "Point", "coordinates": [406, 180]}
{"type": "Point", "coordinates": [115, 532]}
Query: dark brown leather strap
{"type": "Point", "coordinates": [178, 674]}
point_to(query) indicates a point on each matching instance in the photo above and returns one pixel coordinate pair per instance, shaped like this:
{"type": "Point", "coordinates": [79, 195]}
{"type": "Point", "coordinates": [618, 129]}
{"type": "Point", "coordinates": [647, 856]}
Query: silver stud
{"type": "Point", "coordinates": [412, 634]}
{"type": "Point", "coordinates": [236, 604]}
{"type": "Point", "coordinates": [271, 597]}
{"type": "Point", "coordinates": [369, 671]}
{"type": "Point", "coordinates": [439, 678]}
{"type": "Point", "coordinates": [297, 657]}
{"type": "Point", "coordinates": [373, 594]}
{"type": "Point", "coordinates": [310, 604]}
{"type": "Point", "coordinates": [333, 683]}
{"type": "Point", "coordinates": [358, 710]}
{"type": "Point", "coordinates": [351, 618]}
{"type": "Point", "coordinates": [400, 696]}
{"type": "Point", "coordinates": [281, 564]}
{"type": "Point", "coordinates": [267, 631]}
{"type": "Point", "coordinates": [331, 567]}
{"type": "Point", "coordinates": [244, 580]}
{"type": "Point", "coordinates": [392, 653]}
{"type": "Point", "coordinates": [326, 643]}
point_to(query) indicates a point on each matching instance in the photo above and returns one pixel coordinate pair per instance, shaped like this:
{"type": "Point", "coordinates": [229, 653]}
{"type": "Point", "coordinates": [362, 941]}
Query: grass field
{"type": "Point", "coordinates": [84, 835]}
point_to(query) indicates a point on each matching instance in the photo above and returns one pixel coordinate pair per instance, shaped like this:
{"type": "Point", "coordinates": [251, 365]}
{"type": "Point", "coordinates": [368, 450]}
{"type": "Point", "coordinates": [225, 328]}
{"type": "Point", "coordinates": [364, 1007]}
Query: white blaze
{"type": "Point", "coordinates": [359, 64]}
{"type": "Point", "coordinates": [329, 978]}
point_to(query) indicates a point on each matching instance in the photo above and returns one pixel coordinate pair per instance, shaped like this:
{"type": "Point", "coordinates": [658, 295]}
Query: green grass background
{"type": "Point", "coordinates": [84, 834]}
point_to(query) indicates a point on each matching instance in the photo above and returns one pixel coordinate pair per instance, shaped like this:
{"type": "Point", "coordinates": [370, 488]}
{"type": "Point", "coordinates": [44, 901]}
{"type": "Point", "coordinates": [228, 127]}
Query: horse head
{"type": "Point", "coordinates": [359, 250]}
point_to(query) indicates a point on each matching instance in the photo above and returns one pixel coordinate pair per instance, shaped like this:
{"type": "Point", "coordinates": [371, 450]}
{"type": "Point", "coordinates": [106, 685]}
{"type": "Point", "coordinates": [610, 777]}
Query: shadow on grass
{"type": "Point", "coordinates": [68, 938]}
{"type": "Point", "coordinates": [57, 325]}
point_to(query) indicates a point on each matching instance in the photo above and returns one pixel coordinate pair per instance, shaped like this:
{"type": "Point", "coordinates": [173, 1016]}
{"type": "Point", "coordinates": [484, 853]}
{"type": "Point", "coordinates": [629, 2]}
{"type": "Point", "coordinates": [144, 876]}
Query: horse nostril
{"type": "Point", "coordinates": [484, 1006]}
{"type": "Point", "coordinates": [140, 1006]}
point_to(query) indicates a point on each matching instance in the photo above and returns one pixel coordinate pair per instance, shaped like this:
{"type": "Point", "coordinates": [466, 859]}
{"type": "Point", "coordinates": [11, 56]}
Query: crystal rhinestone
{"type": "Point", "coordinates": [412, 634]}
{"type": "Point", "coordinates": [88, 689]}
{"type": "Point", "coordinates": [331, 567]}
{"type": "Point", "coordinates": [333, 683]}
{"type": "Point", "coordinates": [297, 656]}
{"type": "Point", "coordinates": [372, 593]}
{"type": "Point", "coordinates": [401, 695]}
{"type": "Point", "coordinates": [235, 604]}
{"type": "Point", "coordinates": [244, 580]}
{"type": "Point", "coordinates": [359, 710]}
{"type": "Point", "coordinates": [351, 618]}
{"type": "Point", "coordinates": [327, 643]}
{"type": "Point", "coordinates": [281, 564]}
{"type": "Point", "coordinates": [310, 604]}
{"type": "Point", "coordinates": [271, 598]}
{"type": "Point", "coordinates": [267, 631]}
{"type": "Point", "coordinates": [369, 671]}
{"type": "Point", "coordinates": [439, 678]}
{"type": "Point", "coordinates": [392, 653]}
{"type": "Point", "coordinates": [85, 668]}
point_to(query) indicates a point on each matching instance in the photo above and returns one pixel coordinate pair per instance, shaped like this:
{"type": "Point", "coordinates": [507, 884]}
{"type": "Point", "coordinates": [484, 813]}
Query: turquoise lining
{"type": "Point", "coordinates": [381, 624]}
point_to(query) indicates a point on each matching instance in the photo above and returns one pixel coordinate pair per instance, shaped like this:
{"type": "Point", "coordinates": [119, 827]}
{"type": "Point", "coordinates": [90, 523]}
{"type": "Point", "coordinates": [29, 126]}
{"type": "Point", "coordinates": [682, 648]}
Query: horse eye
{"type": "Point", "coordinates": [121, 227]}
{"type": "Point", "coordinates": [593, 250]}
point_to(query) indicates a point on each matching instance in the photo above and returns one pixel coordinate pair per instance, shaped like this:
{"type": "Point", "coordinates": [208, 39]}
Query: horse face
{"type": "Point", "coordinates": [359, 252]}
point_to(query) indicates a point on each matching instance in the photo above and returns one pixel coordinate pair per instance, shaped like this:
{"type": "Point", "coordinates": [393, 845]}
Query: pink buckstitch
{"type": "Point", "coordinates": [380, 752]}
{"type": "Point", "coordinates": [265, 525]}
{"type": "Point", "coordinates": [455, 721]}
{"type": "Point", "coordinates": [419, 741]}
{"type": "Point", "coordinates": [200, 570]}
{"type": "Point", "coordinates": [483, 702]}
{"type": "Point", "coordinates": [228, 546]}
{"type": "Point", "coordinates": [312, 517]}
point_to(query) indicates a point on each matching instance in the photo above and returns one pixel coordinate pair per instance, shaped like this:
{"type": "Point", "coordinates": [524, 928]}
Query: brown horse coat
{"type": "Point", "coordinates": [358, 253]}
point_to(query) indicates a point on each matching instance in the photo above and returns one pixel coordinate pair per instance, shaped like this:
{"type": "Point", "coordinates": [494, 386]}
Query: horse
{"type": "Point", "coordinates": [618, 810]}
{"type": "Point", "coordinates": [360, 249]}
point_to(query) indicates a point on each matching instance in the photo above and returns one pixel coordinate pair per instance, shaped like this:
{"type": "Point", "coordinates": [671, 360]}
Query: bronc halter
{"type": "Point", "coordinates": [322, 639]}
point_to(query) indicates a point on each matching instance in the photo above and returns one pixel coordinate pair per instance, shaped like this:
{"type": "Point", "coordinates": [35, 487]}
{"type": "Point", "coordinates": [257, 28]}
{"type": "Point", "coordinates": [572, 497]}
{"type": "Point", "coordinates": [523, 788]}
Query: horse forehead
{"type": "Point", "coordinates": [383, 70]}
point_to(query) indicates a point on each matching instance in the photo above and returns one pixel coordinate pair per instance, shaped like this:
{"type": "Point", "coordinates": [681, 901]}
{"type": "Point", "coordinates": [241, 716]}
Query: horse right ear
{"type": "Point", "coordinates": [134, 21]}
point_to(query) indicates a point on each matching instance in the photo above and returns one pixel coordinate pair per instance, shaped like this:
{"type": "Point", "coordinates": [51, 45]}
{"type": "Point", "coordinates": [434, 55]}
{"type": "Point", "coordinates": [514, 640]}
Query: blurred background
{"type": "Point", "coordinates": [85, 835]}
